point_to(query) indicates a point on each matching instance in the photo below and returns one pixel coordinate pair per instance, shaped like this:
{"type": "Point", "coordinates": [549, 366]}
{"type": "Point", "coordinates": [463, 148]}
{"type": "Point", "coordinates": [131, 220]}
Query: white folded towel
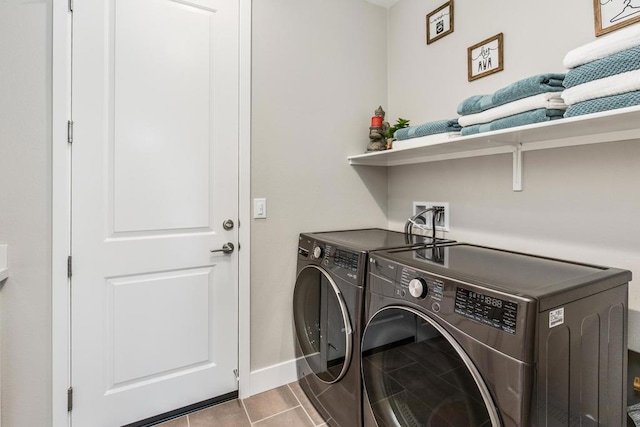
{"type": "Point", "coordinates": [613, 85]}
{"type": "Point", "coordinates": [548, 100]}
{"type": "Point", "coordinates": [607, 45]}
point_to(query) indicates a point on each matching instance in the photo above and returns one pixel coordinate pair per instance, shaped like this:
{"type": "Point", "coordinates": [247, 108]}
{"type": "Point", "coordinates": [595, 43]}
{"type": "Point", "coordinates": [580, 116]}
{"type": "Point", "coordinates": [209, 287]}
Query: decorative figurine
{"type": "Point", "coordinates": [378, 131]}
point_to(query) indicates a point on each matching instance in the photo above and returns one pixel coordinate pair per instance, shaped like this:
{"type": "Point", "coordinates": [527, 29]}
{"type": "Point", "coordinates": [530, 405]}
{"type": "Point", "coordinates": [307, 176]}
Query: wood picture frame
{"type": "Point", "coordinates": [440, 22]}
{"type": "Point", "coordinates": [613, 15]}
{"type": "Point", "coordinates": [486, 57]}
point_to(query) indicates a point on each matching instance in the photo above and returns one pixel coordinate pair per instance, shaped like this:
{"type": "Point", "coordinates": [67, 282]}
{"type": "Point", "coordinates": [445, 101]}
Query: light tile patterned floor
{"type": "Point", "coordinates": [281, 407]}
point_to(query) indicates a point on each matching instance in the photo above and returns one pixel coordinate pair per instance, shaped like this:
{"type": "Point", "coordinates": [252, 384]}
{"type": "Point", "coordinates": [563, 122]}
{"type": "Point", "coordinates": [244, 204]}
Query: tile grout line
{"type": "Point", "coordinates": [302, 406]}
{"type": "Point", "coordinates": [245, 411]}
{"type": "Point", "coordinates": [275, 415]}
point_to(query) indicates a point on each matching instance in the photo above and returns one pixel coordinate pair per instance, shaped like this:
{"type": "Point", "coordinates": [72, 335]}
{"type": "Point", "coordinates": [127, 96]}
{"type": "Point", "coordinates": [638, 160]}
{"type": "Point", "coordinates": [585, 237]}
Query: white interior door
{"type": "Point", "coordinates": [154, 176]}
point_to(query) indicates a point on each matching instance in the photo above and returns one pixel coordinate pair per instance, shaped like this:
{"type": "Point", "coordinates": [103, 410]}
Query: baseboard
{"type": "Point", "coordinates": [271, 377]}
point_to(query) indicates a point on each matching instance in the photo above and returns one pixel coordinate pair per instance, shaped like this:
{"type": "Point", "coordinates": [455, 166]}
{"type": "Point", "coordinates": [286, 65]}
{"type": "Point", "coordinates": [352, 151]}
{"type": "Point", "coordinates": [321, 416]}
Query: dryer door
{"type": "Point", "coordinates": [416, 374]}
{"type": "Point", "coordinates": [322, 324]}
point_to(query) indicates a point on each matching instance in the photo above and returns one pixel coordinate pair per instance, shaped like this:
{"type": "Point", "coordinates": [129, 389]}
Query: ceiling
{"type": "Point", "coordinates": [383, 3]}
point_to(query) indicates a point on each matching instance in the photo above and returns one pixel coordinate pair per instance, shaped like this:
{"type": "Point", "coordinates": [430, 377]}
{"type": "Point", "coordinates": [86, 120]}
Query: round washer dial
{"type": "Point", "coordinates": [418, 287]}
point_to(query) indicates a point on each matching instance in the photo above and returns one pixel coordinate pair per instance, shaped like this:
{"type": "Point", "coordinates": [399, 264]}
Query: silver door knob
{"type": "Point", "coordinates": [227, 248]}
{"type": "Point", "coordinates": [228, 224]}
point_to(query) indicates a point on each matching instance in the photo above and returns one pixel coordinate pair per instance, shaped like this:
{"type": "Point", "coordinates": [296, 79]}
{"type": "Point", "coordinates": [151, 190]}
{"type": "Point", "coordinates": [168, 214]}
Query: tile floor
{"type": "Point", "coordinates": [281, 407]}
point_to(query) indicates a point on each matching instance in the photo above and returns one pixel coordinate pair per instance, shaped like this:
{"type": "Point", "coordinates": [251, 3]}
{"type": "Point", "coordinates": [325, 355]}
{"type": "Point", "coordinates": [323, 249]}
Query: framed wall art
{"type": "Point", "coordinates": [485, 57]}
{"type": "Point", "coordinates": [440, 22]}
{"type": "Point", "coordinates": [611, 15]}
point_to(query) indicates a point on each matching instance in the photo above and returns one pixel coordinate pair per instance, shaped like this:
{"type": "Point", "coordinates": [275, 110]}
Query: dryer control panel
{"type": "Point", "coordinates": [339, 261]}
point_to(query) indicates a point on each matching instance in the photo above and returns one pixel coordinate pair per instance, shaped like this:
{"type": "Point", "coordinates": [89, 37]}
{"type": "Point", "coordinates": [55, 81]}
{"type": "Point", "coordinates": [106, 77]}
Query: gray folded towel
{"type": "Point", "coordinates": [526, 118]}
{"type": "Point", "coordinates": [542, 83]}
{"type": "Point", "coordinates": [605, 103]}
{"type": "Point", "coordinates": [621, 62]}
{"type": "Point", "coordinates": [431, 128]}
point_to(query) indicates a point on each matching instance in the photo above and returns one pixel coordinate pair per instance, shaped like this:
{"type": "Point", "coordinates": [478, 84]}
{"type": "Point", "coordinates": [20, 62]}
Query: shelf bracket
{"type": "Point", "coordinates": [517, 167]}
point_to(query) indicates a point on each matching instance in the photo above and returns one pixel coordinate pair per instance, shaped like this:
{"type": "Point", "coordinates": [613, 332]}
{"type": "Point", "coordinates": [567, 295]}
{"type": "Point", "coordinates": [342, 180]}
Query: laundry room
{"type": "Point", "coordinates": [317, 72]}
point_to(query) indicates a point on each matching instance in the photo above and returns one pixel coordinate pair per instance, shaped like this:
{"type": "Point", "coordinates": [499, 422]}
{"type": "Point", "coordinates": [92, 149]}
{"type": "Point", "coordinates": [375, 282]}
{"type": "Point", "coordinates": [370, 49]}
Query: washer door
{"type": "Point", "coordinates": [322, 324]}
{"type": "Point", "coordinates": [416, 374]}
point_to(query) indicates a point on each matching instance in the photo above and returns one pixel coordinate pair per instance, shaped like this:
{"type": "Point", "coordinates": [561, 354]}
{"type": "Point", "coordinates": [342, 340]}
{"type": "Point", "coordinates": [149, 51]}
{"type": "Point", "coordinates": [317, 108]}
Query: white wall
{"type": "Point", "coordinates": [25, 211]}
{"type": "Point", "coordinates": [427, 82]}
{"type": "Point", "coordinates": [319, 72]}
{"type": "Point", "coordinates": [578, 203]}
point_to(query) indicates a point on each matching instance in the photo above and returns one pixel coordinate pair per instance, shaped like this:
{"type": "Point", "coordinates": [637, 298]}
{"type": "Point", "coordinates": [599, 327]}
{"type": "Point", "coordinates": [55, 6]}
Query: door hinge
{"type": "Point", "coordinates": [70, 5]}
{"type": "Point", "coordinates": [69, 399]}
{"type": "Point", "coordinates": [69, 266]}
{"type": "Point", "coordinates": [235, 372]}
{"type": "Point", "coordinates": [70, 131]}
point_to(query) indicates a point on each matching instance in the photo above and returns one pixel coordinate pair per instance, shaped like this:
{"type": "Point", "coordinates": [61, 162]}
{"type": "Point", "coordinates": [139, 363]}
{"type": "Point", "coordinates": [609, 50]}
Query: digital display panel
{"type": "Point", "coordinates": [488, 310]}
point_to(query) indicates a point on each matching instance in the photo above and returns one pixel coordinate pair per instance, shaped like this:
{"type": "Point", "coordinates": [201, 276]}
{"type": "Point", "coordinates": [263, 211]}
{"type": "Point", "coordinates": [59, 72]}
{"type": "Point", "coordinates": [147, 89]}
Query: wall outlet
{"type": "Point", "coordinates": [442, 222]}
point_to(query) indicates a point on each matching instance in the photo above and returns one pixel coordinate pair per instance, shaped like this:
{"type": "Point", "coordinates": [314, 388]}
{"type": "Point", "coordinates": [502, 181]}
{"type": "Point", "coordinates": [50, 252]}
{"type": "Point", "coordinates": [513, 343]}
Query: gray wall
{"type": "Point", "coordinates": [578, 203]}
{"type": "Point", "coordinates": [319, 72]}
{"type": "Point", "coordinates": [25, 211]}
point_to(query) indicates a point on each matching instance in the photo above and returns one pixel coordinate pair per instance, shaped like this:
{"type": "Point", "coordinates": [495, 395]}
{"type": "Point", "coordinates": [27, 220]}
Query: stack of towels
{"type": "Point", "coordinates": [439, 129]}
{"type": "Point", "coordinates": [532, 100]}
{"type": "Point", "coordinates": [604, 74]}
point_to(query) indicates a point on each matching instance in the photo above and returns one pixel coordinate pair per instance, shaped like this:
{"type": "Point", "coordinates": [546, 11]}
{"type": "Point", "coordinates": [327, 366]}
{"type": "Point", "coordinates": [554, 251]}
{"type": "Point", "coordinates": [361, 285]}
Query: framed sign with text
{"type": "Point", "coordinates": [440, 22]}
{"type": "Point", "coordinates": [485, 58]}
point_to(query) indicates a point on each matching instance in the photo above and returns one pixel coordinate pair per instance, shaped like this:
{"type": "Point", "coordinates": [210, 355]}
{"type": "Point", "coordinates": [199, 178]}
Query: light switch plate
{"type": "Point", "coordinates": [260, 208]}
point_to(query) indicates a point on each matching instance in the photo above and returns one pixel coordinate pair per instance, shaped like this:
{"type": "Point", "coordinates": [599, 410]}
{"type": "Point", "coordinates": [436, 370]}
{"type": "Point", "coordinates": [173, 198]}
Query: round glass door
{"type": "Point", "coordinates": [322, 324]}
{"type": "Point", "coordinates": [415, 374]}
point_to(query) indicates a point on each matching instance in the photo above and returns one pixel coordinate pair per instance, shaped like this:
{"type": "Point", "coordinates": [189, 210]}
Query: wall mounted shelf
{"type": "Point", "coordinates": [607, 126]}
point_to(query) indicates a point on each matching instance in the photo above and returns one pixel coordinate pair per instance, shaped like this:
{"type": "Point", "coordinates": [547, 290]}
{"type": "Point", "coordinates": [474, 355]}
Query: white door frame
{"type": "Point", "coordinates": [61, 203]}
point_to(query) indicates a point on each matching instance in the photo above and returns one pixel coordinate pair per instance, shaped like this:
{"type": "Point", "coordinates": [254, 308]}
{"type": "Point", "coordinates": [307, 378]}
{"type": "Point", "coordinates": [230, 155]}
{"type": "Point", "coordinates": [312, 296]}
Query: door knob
{"type": "Point", "coordinates": [228, 224]}
{"type": "Point", "coordinates": [227, 248]}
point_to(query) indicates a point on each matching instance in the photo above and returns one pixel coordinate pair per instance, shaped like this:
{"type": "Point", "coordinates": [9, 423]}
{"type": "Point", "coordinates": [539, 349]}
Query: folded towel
{"type": "Point", "coordinates": [425, 140]}
{"type": "Point", "coordinates": [439, 126]}
{"type": "Point", "coordinates": [607, 45]}
{"type": "Point", "coordinates": [613, 85]}
{"type": "Point", "coordinates": [621, 62]}
{"type": "Point", "coordinates": [529, 117]}
{"type": "Point", "coordinates": [524, 88]}
{"type": "Point", "coordinates": [549, 100]}
{"type": "Point", "coordinates": [606, 103]}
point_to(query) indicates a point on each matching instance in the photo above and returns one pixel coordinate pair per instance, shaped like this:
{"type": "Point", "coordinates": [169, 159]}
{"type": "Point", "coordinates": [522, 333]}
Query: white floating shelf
{"type": "Point", "coordinates": [4, 267]}
{"type": "Point", "coordinates": [615, 125]}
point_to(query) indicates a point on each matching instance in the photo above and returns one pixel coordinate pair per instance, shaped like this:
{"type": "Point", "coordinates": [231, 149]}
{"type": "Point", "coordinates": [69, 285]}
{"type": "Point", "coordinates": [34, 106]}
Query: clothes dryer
{"type": "Point", "coordinates": [476, 336]}
{"type": "Point", "coordinates": [327, 311]}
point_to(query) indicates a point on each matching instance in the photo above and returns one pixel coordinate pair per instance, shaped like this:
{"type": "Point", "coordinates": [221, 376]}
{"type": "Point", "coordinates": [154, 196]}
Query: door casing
{"type": "Point", "coordinates": [61, 206]}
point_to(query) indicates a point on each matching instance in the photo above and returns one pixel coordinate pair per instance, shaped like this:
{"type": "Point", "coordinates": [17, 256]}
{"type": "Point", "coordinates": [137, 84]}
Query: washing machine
{"type": "Point", "coordinates": [465, 335]}
{"type": "Point", "coordinates": [327, 312]}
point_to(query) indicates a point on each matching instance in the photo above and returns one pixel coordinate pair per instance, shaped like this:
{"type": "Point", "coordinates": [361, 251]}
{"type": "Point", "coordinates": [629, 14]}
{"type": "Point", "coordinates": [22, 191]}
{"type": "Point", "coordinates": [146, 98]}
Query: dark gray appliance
{"type": "Point", "coordinates": [327, 311]}
{"type": "Point", "coordinates": [476, 336]}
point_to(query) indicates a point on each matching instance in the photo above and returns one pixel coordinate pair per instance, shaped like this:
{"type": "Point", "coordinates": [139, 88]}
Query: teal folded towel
{"type": "Point", "coordinates": [621, 62]}
{"type": "Point", "coordinates": [628, 99]}
{"type": "Point", "coordinates": [542, 83]}
{"type": "Point", "coordinates": [431, 128]}
{"type": "Point", "coordinates": [534, 116]}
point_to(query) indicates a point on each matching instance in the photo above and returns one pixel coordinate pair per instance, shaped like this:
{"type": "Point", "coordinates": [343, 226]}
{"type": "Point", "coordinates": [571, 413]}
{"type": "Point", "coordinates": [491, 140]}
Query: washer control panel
{"type": "Point", "coordinates": [443, 296]}
{"type": "Point", "coordinates": [495, 312]}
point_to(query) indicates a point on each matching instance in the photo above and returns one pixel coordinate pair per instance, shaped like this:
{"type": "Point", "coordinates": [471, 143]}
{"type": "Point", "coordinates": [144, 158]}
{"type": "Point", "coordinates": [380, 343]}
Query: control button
{"type": "Point", "coordinates": [435, 307]}
{"type": "Point", "coordinates": [418, 287]}
{"type": "Point", "coordinates": [317, 252]}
